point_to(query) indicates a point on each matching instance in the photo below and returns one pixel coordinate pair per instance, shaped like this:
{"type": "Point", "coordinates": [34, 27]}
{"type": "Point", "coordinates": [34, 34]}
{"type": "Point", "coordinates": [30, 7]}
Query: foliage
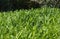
{"type": "Point", "coordinates": [51, 3]}
{"type": "Point", "coordinates": [42, 23]}
{"type": "Point", "coordinates": [18, 4]}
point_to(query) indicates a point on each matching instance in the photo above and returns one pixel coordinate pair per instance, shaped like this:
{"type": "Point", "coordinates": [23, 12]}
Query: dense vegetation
{"type": "Point", "coordinates": [30, 19]}
{"type": "Point", "coordinates": [25, 4]}
{"type": "Point", "coordinates": [42, 23]}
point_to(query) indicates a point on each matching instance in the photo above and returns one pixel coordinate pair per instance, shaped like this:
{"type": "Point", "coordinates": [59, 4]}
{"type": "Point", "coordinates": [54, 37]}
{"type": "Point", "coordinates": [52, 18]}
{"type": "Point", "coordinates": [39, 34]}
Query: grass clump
{"type": "Point", "coordinates": [42, 23]}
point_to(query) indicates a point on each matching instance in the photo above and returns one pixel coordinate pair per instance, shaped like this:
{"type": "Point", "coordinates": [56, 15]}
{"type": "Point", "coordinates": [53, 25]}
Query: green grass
{"type": "Point", "coordinates": [42, 23]}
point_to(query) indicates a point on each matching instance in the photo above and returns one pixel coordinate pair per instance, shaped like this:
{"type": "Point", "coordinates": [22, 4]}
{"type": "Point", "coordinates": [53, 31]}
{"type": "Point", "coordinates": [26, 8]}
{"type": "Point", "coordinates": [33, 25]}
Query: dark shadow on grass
{"type": "Point", "coordinates": [13, 7]}
{"type": "Point", "coordinates": [23, 8]}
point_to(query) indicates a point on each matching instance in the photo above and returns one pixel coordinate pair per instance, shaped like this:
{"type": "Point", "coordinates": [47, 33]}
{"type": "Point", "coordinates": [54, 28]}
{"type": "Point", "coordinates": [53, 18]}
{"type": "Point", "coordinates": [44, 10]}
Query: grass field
{"type": "Point", "coordinates": [41, 23]}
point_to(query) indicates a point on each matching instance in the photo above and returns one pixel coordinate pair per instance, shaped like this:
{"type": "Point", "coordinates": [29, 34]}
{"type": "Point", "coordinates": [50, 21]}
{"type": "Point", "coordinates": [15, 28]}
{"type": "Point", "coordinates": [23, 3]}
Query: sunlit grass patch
{"type": "Point", "coordinates": [41, 23]}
